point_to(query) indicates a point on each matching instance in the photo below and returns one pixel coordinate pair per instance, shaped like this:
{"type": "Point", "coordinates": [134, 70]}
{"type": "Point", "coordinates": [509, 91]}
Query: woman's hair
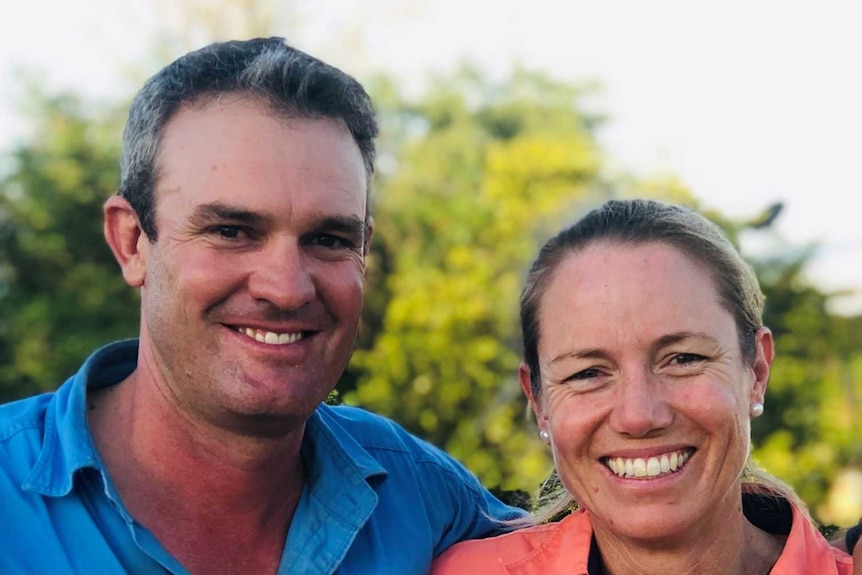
{"type": "Point", "coordinates": [633, 223]}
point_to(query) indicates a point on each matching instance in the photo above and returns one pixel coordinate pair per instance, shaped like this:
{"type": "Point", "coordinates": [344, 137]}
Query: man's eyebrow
{"type": "Point", "coordinates": [218, 211]}
{"type": "Point", "coordinates": [347, 224]}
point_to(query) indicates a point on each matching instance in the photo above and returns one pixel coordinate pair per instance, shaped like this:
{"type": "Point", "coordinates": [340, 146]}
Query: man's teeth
{"type": "Point", "coordinates": [650, 467]}
{"type": "Point", "coordinates": [270, 337]}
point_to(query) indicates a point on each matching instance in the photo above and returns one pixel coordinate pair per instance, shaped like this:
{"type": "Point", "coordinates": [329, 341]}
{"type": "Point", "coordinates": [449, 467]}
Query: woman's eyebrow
{"type": "Point", "coordinates": [588, 353]}
{"type": "Point", "coordinates": [678, 337]}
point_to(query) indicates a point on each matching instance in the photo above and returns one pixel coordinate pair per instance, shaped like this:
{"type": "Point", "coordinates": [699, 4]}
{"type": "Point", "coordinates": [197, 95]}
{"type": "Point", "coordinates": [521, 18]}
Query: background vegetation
{"type": "Point", "coordinates": [474, 174]}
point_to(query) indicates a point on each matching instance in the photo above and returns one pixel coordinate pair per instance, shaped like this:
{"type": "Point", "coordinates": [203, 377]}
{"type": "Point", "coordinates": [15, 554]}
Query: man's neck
{"type": "Point", "coordinates": [204, 492]}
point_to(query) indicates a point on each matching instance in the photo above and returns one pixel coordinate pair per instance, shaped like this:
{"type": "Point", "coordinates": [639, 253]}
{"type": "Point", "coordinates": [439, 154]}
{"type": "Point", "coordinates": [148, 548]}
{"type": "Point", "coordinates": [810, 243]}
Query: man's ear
{"type": "Point", "coordinates": [369, 233]}
{"type": "Point", "coordinates": [126, 239]}
{"type": "Point", "coordinates": [764, 354]}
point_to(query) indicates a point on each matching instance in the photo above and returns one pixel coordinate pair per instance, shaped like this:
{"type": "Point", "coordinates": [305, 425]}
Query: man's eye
{"type": "Point", "coordinates": [332, 242]}
{"type": "Point", "coordinates": [584, 374]}
{"type": "Point", "coordinates": [686, 358]}
{"type": "Point", "coordinates": [230, 232]}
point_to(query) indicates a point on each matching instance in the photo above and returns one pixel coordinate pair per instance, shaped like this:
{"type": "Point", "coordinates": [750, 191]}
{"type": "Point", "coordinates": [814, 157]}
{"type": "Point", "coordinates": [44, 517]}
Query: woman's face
{"type": "Point", "coordinates": [644, 390]}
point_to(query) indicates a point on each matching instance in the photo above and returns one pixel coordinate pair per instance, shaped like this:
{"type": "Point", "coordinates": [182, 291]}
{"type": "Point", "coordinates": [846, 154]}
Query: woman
{"type": "Point", "coordinates": [645, 360]}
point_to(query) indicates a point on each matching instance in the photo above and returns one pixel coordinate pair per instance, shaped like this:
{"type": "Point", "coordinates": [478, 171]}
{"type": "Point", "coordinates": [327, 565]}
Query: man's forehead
{"type": "Point", "coordinates": [244, 144]}
{"type": "Point", "coordinates": [250, 104]}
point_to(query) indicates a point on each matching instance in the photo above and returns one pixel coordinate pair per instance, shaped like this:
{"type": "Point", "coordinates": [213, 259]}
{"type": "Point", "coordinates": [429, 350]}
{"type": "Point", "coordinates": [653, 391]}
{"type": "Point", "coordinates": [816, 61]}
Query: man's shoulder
{"type": "Point", "coordinates": [104, 366]}
{"type": "Point", "coordinates": [369, 429]}
{"type": "Point", "coordinates": [22, 434]}
{"type": "Point", "coordinates": [386, 440]}
{"type": "Point", "coordinates": [23, 415]}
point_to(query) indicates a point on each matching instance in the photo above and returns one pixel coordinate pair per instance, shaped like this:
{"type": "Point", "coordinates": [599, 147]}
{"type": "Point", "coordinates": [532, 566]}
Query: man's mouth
{"type": "Point", "coordinates": [650, 467]}
{"type": "Point", "coordinates": [270, 337]}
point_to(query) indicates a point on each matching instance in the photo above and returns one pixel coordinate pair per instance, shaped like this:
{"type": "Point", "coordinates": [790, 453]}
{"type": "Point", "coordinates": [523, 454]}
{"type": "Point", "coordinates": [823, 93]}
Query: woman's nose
{"type": "Point", "coordinates": [640, 405]}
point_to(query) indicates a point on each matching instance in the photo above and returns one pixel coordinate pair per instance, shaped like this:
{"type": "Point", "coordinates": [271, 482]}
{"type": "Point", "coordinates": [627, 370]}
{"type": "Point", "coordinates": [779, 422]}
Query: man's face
{"type": "Point", "coordinates": [253, 290]}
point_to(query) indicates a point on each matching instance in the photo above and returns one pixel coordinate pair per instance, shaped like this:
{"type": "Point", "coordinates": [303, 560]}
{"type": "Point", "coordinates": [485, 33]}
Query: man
{"type": "Point", "coordinates": [203, 446]}
{"type": "Point", "coordinates": [854, 546]}
{"type": "Point", "coordinates": [850, 540]}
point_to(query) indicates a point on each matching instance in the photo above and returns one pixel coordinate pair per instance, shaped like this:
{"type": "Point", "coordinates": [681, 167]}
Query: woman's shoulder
{"type": "Point", "coordinates": [522, 545]}
{"type": "Point", "coordinates": [805, 550]}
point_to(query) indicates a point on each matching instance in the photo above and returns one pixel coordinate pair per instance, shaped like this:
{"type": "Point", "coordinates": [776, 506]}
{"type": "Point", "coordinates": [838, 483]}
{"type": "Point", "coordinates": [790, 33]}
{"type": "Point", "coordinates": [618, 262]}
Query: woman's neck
{"type": "Point", "coordinates": [732, 546]}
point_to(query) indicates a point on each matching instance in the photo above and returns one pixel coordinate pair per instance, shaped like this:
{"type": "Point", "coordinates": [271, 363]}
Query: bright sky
{"type": "Point", "coordinates": [748, 102]}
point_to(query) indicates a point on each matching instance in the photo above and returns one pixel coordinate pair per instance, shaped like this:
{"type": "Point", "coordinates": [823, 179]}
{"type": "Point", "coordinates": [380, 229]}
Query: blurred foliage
{"type": "Point", "coordinates": [474, 174]}
{"type": "Point", "coordinates": [61, 294]}
{"type": "Point", "coordinates": [812, 425]}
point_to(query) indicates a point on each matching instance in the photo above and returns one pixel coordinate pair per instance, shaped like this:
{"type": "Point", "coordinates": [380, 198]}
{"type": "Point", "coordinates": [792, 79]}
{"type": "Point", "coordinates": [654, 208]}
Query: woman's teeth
{"type": "Point", "coordinates": [649, 467]}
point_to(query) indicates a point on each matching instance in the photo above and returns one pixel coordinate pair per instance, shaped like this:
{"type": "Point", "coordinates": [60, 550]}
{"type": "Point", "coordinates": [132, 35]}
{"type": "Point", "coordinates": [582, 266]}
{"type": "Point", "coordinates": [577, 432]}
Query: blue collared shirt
{"type": "Point", "coordinates": [377, 499]}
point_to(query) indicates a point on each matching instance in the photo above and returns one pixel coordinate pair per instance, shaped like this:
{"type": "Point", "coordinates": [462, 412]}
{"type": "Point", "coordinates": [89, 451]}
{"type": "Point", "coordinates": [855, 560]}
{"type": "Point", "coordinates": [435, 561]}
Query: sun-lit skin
{"type": "Point", "coordinates": [638, 359]}
{"type": "Point", "coordinates": [260, 229]}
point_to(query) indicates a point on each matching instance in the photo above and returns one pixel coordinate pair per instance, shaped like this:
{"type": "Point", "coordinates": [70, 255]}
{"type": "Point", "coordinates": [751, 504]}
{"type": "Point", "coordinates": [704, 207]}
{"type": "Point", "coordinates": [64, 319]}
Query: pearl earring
{"type": "Point", "coordinates": [756, 409]}
{"type": "Point", "coordinates": [545, 436]}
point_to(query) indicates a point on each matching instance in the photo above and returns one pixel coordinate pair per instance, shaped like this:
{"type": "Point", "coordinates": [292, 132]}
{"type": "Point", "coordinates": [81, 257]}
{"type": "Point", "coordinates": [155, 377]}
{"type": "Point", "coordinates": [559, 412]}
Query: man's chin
{"type": "Point", "coordinates": [266, 425]}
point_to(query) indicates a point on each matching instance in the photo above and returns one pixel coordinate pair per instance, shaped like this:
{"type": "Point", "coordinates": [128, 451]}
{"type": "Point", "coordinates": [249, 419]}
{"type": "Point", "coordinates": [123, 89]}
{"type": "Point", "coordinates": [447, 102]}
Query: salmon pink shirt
{"type": "Point", "coordinates": [567, 547]}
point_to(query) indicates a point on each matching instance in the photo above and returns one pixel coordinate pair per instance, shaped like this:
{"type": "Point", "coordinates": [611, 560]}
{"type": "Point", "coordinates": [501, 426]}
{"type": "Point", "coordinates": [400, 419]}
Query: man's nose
{"type": "Point", "coordinates": [282, 275]}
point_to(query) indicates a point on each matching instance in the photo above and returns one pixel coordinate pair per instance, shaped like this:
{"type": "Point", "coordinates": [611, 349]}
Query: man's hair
{"type": "Point", "coordinates": [290, 82]}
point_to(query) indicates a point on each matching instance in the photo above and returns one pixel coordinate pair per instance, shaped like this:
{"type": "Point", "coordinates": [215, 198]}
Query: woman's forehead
{"type": "Point", "coordinates": [617, 286]}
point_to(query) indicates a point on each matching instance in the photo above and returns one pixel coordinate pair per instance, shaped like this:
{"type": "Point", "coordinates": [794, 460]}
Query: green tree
{"type": "Point", "coordinates": [61, 294]}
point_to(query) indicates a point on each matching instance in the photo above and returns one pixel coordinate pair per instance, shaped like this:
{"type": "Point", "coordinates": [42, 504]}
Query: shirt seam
{"type": "Point", "coordinates": [9, 432]}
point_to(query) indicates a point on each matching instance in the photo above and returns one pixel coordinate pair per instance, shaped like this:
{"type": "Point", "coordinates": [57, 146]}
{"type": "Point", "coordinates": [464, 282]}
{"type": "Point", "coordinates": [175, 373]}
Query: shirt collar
{"type": "Point", "coordinates": [332, 452]}
{"type": "Point", "coordinates": [564, 546]}
{"type": "Point", "coordinates": [67, 445]}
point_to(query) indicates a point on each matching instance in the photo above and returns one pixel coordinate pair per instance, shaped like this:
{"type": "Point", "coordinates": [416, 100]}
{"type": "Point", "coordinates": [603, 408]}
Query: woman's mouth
{"type": "Point", "coordinates": [649, 467]}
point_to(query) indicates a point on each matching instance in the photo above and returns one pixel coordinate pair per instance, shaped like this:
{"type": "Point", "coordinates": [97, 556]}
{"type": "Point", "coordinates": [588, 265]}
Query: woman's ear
{"type": "Point", "coordinates": [126, 239]}
{"type": "Point", "coordinates": [525, 377]}
{"type": "Point", "coordinates": [764, 354]}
